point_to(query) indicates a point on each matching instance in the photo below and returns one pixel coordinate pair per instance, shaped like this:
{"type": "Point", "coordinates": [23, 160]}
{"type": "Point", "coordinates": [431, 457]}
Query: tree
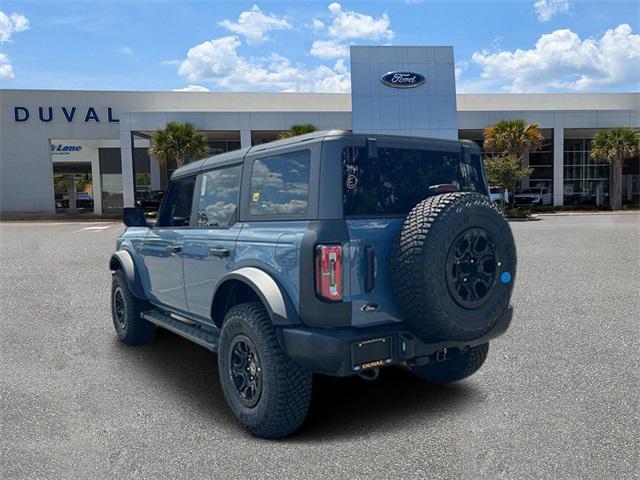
{"type": "Point", "coordinates": [296, 130]}
{"type": "Point", "coordinates": [506, 172]}
{"type": "Point", "coordinates": [512, 137]}
{"type": "Point", "coordinates": [508, 141]}
{"type": "Point", "coordinates": [179, 142]}
{"type": "Point", "coordinates": [614, 146]}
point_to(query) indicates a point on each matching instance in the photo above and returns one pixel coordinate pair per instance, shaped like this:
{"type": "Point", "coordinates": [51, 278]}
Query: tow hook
{"type": "Point", "coordinates": [441, 355]}
{"type": "Point", "coordinates": [370, 374]}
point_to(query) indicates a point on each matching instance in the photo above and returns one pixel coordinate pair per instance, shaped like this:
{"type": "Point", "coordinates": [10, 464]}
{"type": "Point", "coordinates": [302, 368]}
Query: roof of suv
{"type": "Point", "coordinates": [235, 156]}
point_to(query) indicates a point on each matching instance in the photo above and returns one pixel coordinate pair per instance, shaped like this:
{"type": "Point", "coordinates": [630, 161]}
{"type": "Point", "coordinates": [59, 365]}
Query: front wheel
{"type": "Point", "coordinates": [131, 328]}
{"type": "Point", "coordinates": [458, 365]}
{"type": "Point", "coordinates": [267, 392]}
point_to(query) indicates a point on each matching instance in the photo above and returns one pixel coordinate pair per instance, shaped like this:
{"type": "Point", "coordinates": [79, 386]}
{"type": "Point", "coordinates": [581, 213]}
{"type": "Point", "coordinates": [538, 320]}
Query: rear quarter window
{"type": "Point", "coordinates": [280, 184]}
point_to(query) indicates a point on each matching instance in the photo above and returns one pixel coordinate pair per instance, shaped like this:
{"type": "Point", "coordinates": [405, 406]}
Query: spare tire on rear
{"type": "Point", "coordinates": [453, 267]}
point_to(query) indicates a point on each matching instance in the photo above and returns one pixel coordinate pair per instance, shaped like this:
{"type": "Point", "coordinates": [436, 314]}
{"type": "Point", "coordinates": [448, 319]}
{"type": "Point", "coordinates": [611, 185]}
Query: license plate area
{"type": "Point", "coordinates": [372, 353]}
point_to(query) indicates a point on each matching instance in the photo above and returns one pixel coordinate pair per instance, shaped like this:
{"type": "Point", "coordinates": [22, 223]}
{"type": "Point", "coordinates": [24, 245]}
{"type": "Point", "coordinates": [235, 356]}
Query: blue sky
{"type": "Point", "coordinates": [506, 46]}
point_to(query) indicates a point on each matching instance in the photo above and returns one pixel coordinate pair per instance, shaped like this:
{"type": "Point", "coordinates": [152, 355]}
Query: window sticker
{"type": "Point", "coordinates": [351, 182]}
{"type": "Point", "coordinates": [203, 186]}
{"type": "Point", "coordinates": [255, 197]}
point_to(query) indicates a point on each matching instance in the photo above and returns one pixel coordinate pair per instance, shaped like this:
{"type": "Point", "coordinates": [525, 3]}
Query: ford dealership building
{"type": "Point", "coordinates": [86, 151]}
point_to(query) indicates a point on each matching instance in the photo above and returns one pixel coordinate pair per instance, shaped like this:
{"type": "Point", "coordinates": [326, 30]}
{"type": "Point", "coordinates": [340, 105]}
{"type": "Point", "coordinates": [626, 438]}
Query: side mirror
{"type": "Point", "coordinates": [134, 217]}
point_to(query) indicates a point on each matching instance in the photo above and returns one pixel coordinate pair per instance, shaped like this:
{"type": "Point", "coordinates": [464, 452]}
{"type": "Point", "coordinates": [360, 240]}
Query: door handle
{"type": "Point", "coordinates": [174, 248]}
{"type": "Point", "coordinates": [219, 252]}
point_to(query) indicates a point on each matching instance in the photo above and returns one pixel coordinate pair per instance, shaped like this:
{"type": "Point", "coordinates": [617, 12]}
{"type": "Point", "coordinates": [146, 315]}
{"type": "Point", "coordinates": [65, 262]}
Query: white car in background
{"type": "Point", "coordinates": [495, 194]}
{"type": "Point", "coordinates": [533, 196]}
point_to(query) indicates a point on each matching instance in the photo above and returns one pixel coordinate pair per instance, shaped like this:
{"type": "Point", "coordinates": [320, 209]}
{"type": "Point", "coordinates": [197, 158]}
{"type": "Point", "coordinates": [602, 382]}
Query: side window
{"type": "Point", "coordinates": [176, 210]}
{"type": "Point", "coordinates": [280, 184]}
{"type": "Point", "coordinates": [218, 197]}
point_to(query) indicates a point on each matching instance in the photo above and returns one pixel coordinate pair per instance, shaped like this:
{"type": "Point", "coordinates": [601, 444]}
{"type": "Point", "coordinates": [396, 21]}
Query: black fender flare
{"type": "Point", "coordinates": [265, 287]}
{"type": "Point", "coordinates": [122, 260]}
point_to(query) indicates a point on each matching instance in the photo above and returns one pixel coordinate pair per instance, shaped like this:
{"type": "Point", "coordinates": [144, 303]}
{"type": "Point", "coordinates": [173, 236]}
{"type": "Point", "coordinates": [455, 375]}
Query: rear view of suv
{"type": "Point", "coordinates": [330, 253]}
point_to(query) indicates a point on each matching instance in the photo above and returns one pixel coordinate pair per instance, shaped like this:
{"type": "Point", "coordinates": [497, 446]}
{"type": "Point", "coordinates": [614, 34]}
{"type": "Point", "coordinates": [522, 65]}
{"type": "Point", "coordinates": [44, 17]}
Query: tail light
{"type": "Point", "coordinates": [329, 272]}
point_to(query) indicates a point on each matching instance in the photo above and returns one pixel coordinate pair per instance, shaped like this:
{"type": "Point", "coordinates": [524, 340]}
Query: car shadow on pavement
{"type": "Point", "coordinates": [340, 407]}
{"type": "Point", "coordinates": [350, 407]}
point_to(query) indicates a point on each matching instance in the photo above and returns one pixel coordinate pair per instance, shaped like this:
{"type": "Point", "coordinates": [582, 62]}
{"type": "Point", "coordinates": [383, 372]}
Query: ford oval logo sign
{"type": "Point", "coordinates": [402, 79]}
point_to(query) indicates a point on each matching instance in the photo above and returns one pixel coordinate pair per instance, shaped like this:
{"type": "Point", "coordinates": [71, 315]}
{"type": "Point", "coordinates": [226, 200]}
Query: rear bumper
{"type": "Point", "coordinates": [346, 351]}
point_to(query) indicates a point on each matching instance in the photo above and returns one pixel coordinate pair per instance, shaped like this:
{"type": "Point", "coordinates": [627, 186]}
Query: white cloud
{"type": "Point", "coordinates": [328, 49]}
{"type": "Point", "coordinates": [351, 25]}
{"type": "Point", "coordinates": [126, 51]}
{"type": "Point", "coordinates": [561, 60]}
{"type": "Point", "coordinates": [210, 59]}
{"type": "Point", "coordinates": [6, 70]}
{"type": "Point", "coordinates": [460, 67]}
{"type": "Point", "coordinates": [317, 25]}
{"type": "Point", "coordinates": [347, 25]}
{"type": "Point", "coordinates": [547, 9]}
{"type": "Point", "coordinates": [10, 24]}
{"type": "Point", "coordinates": [192, 88]}
{"type": "Point", "coordinates": [217, 61]}
{"type": "Point", "coordinates": [254, 25]}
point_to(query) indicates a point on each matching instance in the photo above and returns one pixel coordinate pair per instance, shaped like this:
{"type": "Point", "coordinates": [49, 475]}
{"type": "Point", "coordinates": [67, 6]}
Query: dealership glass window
{"type": "Point", "coordinates": [73, 186]}
{"type": "Point", "coordinates": [218, 197]}
{"type": "Point", "coordinates": [586, 181]}
{"type": "Point", "coordinates": [111, 178]}
{"type": "Point", "coordinates": [541, 160]}
{"type": "Point", "coordinates": [143, 182]}
{"type": "Point", "coordinates": [631, 182]}
{"type": "Point", "coordinates": [280, 184]}
{"type": "Point", "coordinates": [112, 191]}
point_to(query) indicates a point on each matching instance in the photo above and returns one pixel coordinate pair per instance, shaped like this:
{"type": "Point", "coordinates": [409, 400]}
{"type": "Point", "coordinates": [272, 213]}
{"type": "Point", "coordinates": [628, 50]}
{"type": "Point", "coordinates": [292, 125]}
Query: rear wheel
{"type": "Point", "coordinates": [125, 312]}
{"type": "Point", "coordinates": [268, 392]}
{"type": "Point", "coordinates": [458, 365]}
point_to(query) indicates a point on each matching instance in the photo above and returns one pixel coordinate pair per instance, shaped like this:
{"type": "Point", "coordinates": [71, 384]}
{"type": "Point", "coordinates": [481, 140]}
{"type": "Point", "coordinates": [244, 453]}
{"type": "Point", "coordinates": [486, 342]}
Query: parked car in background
{"type": "Point", "coordinates": [533, 196]}
{"type": "Point", "coordinates": [84, 200]}
{"type": "Point", "coordinates": [495, 194]}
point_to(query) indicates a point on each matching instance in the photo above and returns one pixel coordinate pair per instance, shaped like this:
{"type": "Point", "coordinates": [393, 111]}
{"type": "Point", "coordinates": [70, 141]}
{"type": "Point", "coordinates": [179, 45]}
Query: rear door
{"type": "Point", "coordinates": [210, 247]}
{"type": "Point", "coordinates": [380, 186]}
{"type": "Point", "coordinates": [162, 251]}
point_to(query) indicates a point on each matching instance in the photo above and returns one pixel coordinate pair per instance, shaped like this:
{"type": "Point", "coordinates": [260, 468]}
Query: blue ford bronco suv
{"type": "Point", "coordinates": [329, 253]}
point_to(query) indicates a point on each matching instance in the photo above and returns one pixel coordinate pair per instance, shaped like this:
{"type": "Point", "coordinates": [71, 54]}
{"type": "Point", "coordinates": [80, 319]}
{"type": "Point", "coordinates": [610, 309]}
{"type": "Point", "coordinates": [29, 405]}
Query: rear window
{"type": "Point", "coordinates": [399, 178]}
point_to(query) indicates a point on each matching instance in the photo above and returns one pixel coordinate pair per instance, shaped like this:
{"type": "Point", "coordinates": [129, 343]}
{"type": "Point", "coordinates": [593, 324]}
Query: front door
{"type": "Point", "coordinates": [163, 248]}
{"type": "Point", "coordinates": [209, 249]}
{"type": "Point", "coordinates": [73, 187]}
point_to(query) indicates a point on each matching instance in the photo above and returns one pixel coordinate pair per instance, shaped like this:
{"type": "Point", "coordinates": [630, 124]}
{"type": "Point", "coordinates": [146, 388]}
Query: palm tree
{"type": "Point", "coordinates": [508, 141]}
{"type": "Point", "coordinates": [179, 142]}
{"type": "Point", "coordinates": [513, 138]}
{"type": "Point", "coordinates": [614, 146]}
{"type": "Point", "coordinates": [296, 130]}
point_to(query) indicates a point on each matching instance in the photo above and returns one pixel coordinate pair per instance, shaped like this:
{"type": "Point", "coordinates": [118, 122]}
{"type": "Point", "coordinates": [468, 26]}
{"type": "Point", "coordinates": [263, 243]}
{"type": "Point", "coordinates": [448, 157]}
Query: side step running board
{"type": "Point", "coordinates": [196, 334]}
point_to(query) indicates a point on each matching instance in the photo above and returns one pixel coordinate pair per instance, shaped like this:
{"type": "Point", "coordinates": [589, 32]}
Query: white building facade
{"type": "Point", "coordinates": [86, 151]}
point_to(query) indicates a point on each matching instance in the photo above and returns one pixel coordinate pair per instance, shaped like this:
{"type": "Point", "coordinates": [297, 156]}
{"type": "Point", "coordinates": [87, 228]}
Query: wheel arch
{"type": "Point", "coordinates": [122, 260]}
{"type": "Point", "coordinates": [250, 283]}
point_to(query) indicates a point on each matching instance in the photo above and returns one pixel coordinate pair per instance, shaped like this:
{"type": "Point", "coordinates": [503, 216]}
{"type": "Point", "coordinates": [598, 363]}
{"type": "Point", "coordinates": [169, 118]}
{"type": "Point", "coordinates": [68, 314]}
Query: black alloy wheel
{"type": "Point", "coordinates": [245, 370]}
{"type": "Point", "coordinates": [472, 268]}
{"type": "Point", "coordinates": [119, 308]}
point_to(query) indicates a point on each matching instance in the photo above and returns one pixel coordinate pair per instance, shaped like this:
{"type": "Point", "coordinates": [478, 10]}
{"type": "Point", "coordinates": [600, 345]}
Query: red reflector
{"type": "Point", "coordinates": [329, 272]}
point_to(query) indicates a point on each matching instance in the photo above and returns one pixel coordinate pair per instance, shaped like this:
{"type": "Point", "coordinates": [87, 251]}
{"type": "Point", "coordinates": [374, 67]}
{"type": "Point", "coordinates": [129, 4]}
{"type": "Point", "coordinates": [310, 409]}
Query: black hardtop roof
{"type": "Point", "coordinates": [237, 156]}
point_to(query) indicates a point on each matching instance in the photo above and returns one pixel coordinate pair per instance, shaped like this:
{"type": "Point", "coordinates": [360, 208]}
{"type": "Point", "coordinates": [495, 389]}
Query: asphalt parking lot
{"type": "Point", "coordinates": [558, 397]}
